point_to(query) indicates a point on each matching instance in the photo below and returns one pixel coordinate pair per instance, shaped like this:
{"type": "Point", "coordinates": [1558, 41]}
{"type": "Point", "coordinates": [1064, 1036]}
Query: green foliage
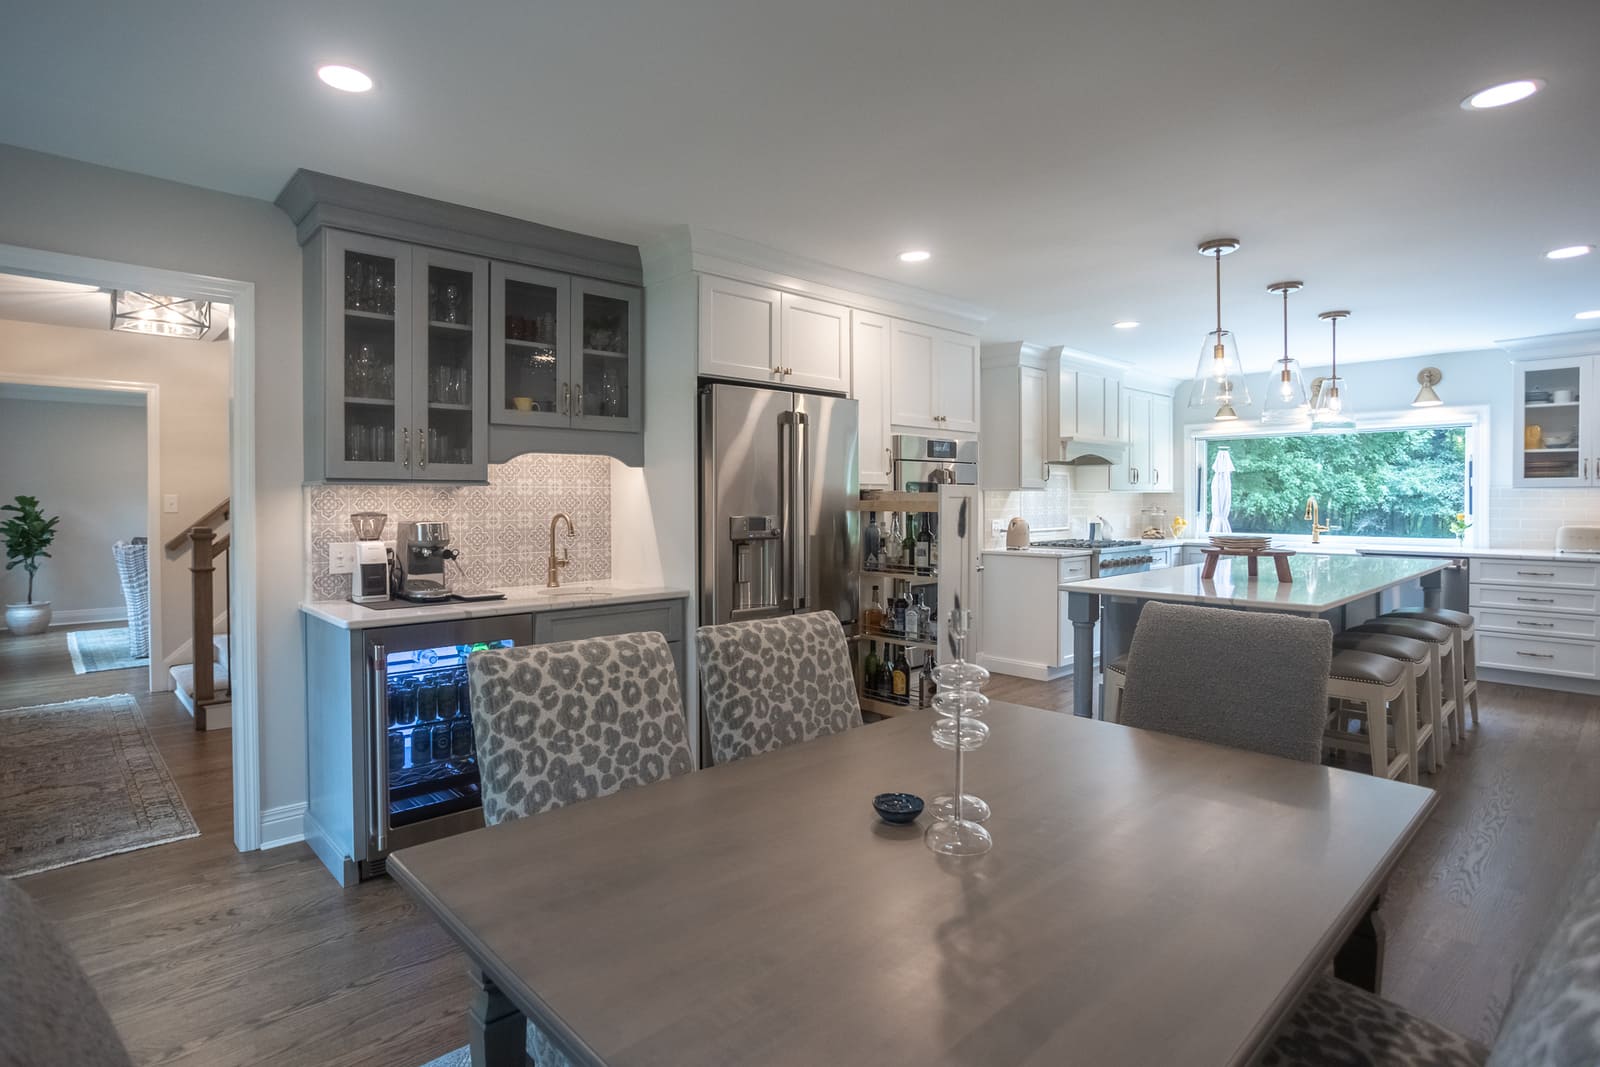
{"type": "Point", "coordinates": [1389, 483]}
{"type": "Point", "coordinates": [27, 534]}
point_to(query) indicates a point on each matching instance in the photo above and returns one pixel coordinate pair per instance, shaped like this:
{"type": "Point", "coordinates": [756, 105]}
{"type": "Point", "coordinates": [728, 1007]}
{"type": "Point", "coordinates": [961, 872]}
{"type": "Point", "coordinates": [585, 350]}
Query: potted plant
{"type": "Point", "coordinates": [27, 535]}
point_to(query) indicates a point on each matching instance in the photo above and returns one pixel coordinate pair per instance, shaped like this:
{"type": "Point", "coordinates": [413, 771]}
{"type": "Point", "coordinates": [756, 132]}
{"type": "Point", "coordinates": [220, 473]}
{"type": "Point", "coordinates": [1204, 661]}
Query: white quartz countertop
{"type": "Point", "coordinates": [519, 600]}
{"type": "Point", "coordinates": [1320, 584]}
{"type": "Point", "coordinates": [1051, 553]}
{"type": "Point", "coordinates": [1542, 554]}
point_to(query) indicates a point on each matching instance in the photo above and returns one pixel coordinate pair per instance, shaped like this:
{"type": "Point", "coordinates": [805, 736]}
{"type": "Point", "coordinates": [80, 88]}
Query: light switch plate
{"type": "Point", "coordinates": [169, 504]}
{"type": "Point", "coordinates": [342, 557]}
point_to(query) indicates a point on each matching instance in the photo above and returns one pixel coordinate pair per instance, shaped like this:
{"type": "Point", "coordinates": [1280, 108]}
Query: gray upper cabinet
{"type": "Point", "coordinates": [402, 393]}
{"type": "Point", "coordinates": [441, 338]}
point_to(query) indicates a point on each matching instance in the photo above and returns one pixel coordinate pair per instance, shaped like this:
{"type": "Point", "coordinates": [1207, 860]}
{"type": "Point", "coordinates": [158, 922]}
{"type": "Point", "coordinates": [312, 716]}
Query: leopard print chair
{"type": "Point", "coordinates": [775, 682]}
{"type": "Point", "coordinates": [1553, 1019]}
{"type": "Point", "coordinates": [574, 720]}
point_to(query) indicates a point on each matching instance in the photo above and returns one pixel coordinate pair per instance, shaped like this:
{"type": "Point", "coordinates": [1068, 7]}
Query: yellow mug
{"type": "Point", "coordinates": [522, 403]}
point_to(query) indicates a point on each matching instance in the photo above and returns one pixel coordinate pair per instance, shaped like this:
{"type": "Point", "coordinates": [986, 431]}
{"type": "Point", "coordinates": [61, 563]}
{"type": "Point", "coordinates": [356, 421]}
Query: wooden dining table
{"type": "Point", "coordinates": [1148, 900]}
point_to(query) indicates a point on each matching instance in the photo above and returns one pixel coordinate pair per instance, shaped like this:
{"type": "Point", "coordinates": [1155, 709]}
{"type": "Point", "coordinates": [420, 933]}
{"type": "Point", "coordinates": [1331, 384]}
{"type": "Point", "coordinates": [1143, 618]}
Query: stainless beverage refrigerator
{"type": "Point", "coordinates": [779, 529]}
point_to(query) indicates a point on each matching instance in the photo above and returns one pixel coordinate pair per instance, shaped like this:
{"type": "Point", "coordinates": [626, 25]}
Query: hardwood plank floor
{"type": "Point", "coordinates": [207, 956]}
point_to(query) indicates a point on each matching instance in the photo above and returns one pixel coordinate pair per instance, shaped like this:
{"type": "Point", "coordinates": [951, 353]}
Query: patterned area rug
{"type": "Point", "coordinates": [101, 650]}
{"type": "Point", "coordinates": [81, 780]}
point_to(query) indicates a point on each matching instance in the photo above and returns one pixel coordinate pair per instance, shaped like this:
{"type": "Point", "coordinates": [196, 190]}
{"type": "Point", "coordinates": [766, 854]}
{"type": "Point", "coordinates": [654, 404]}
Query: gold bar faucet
{"type": "Point", "coordinates": [1317, 530]}
{"type": "Point", "coordinates": [554, 580]}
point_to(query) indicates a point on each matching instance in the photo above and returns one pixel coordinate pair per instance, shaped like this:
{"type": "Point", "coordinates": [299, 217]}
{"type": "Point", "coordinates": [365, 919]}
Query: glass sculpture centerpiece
{"type": "Point", "coordinates": [959, 727]}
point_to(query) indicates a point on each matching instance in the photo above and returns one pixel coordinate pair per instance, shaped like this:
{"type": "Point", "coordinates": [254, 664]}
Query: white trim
{"type": "Point", "coordinates": [242, 490]}
{"type": "Point", "coordinates": [1473, 416]}
{"type": "Point", "coordinates": [1546, 346]}
{"type": "Point", "coordinates": [151, 392]}
{"type": "Point", "coordinates": [283, 826]}
{"type": "Point", "coordinates": [1018, 668]}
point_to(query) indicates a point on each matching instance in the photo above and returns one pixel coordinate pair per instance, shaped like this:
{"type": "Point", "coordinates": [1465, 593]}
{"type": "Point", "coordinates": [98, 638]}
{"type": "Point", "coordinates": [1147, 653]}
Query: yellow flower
{"type": "Point", "coordinates": [1461, 516]}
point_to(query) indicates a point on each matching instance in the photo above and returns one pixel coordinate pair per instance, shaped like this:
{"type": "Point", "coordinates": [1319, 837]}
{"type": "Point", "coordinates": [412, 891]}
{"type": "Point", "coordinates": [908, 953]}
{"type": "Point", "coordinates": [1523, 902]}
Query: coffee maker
{"type": "Point", "coordinates": [421, 549]}
{"type": "Point", "coordinates": [370, 582]}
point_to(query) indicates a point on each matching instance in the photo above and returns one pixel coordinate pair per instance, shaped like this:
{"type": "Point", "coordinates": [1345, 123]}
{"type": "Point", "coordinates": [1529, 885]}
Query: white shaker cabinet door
{"type": "Point", "coordinates": [955, 382]}
{"type": "Point", "coordinates": [869, 386]}
{"type": "Point", "coordinates": [815, 344]}
{"type": "Point", "coordinates": [740, 334]}
{"type": "Point", "coordinates": [1161, 445]}
{"type": "Point", "coordinates": [911, 376]}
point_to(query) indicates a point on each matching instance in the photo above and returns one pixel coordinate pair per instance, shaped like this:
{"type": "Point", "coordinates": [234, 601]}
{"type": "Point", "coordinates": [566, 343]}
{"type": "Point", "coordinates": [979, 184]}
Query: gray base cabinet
{"type": "Point", "coordinates": [390, 759]}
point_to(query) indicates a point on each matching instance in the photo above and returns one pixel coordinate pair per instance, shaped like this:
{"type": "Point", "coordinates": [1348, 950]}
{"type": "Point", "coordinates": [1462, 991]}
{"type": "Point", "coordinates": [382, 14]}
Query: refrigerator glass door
{"type": "Point", "coordinates": [829, 524]}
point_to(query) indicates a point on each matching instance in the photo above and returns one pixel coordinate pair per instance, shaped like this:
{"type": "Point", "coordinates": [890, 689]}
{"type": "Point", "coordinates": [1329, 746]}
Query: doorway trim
{"type": "Point", "coordinates": [152, 486]}
{"type": "Point", "coordinates": [242, 600]}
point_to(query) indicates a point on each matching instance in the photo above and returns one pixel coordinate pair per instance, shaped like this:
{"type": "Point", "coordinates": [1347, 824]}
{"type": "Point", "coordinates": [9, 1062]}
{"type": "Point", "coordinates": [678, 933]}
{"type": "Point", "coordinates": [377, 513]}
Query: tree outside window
{"type": "Point", "coordinates": [1379, 483]}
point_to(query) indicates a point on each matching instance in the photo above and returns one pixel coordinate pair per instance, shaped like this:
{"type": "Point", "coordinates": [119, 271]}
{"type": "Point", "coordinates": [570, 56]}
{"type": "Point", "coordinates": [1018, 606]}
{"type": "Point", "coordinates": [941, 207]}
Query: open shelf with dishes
{"type": "Point", "coordinates": [1555, 428]}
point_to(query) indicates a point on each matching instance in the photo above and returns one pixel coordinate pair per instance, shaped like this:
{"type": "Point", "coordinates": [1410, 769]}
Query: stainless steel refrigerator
{"type": "Point", "coordinates": [779, 533]}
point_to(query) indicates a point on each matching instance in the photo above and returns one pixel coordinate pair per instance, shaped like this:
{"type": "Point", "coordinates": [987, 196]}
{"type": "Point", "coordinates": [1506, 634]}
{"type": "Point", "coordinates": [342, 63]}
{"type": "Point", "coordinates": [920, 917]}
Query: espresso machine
{"type": "Point", "coordinates": [420, 552]}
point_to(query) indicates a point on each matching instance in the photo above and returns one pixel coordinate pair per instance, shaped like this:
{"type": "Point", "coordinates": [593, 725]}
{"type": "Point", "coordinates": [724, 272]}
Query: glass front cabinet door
{"type": "Point", "coordinates": [449, 378]}
{"type": "Point", "coordinates": [607, 376]}
{"type": "Point", "coordinates": [368, 357]}
{"type": "Point", "coordinates": [530, 369]}
{"type": "Point", "coordinates": [1555, 444]}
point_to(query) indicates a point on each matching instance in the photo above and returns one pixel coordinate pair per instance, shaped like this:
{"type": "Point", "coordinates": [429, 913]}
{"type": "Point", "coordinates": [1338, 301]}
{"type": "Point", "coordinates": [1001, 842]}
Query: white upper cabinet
{"type": "Point", "coordinates": [911, 376]}
{"type": "Point", "coordinates": [1016, 438]}
{"type": "Point", "coordinates": [1091, 405]}
{"type": "Point", "coordinates": [1147, 421]}
{"type": "Point", "coordinates": [935, 379]}
{"type": "Point", "coordinates": [869, 386]}
{"type": "Point", "coordinates": [1557, 433]}
{"type": "Point", "coordinates": [814, 349]}
{"type": "Point", "coordinates": [740, 330]}
{"type": "Point", "coordinates": [1162, 459]}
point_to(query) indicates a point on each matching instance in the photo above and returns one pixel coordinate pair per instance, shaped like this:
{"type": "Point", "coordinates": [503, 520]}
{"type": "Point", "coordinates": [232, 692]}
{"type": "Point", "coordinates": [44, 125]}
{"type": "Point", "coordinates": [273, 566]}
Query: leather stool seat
{"type": "Point", "coordinates": [1350, 665]}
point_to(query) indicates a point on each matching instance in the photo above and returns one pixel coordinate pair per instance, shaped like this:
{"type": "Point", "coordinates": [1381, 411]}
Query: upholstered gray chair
{"type": "Point", "coordinates": [775, 682]}
{"type": "Point", "coordinates": [1251, 680]}
{"type": "Point", "coordinates": [48, 1010]}
{"type": "Point", "coordinates": [574, 720]}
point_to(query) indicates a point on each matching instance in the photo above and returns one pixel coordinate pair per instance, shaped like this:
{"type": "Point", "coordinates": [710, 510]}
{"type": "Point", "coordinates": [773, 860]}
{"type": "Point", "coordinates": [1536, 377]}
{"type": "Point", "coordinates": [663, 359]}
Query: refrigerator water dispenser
{"type": "Point", "coordinates": [757, 552]}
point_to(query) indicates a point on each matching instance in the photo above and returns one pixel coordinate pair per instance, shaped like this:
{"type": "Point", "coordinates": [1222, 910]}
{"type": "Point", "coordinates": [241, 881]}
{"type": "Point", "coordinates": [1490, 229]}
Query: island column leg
{"type": "Point", "coordinates": [1432, 589]}
{"type": "Point", "coordinates": [1083, 609]}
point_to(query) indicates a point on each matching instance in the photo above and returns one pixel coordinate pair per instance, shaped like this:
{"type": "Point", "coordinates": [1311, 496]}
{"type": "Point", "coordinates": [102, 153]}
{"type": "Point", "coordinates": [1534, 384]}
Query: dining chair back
{"type": "Point", "coordinates": [574, 720]}
{"type": "Point", "coordinates": [769, 683]}
{"type": "Point", "coordinates": [1251, 680]}
{"type": "Point", "coordinates": [48, 1010]}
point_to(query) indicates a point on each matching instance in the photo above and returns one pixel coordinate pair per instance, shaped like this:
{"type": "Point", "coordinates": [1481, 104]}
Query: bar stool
{"type": "Point", "coordinates": [1114, 679]}
{"type": "Point", "coordinates": [1445, 710]}
{"type": "Point", "coordinates": [1467, 634]}
{"type": "Point", "coordinates": [1419, 654]}
{"type": "Point", "coordinates": [1377, 683]}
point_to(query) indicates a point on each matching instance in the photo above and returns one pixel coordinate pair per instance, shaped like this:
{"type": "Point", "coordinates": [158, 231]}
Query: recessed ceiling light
{"type": "Point", "coordinates": [1595, 314]}
{"type": "Point", "coordinates": [916, 255]}
{"type": "Point", "coordinates": [1501, 95]}
{"type": "Point", "coordinates": [1125, 324]}
{"type": "Point", "coordinates": [1569, 252]}
{"type": "Point", "coordinates": [345, 79]}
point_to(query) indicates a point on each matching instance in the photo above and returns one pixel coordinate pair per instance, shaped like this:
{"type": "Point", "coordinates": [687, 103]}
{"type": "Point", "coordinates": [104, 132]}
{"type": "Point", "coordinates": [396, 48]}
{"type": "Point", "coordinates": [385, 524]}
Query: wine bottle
{"type": "Point", "coordinates": [925, 685]}
{"type": "Point", "coordinates": [923, 547]}
{"type": "Point", "coordinates": [894, 548]}
{"type": "Point", "coordinates": [899, 614]}
{"type": "Point", "coordinates": [869, 670]}
{"type": "Point", "coordinates": [908, 547]}
{"type": "Point", "coordinates": [872, 543]}
{"type": "Point", "coordinates": [885, 684]}
{"type": "Point", "coordinates": [902, 677]}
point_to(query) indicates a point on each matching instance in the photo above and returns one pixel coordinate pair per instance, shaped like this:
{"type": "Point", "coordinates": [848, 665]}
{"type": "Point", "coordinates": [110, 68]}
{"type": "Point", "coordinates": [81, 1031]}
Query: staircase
{"type": "Point", "coordinates": [202, 686]}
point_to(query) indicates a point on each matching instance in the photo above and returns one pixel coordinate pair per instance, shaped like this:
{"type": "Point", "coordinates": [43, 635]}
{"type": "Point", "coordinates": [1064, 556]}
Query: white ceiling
{"type": "Point", "coordinates": [1061, 159]}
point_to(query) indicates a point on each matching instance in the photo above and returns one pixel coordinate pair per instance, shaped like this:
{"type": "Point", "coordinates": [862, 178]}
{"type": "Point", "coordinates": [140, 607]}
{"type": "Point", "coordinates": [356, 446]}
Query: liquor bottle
{"type": "Point", "coordinates": [894, 548]}
{"type": "Point", "coordinates": [899, 609]}
{"type": "Point", "coordinates": [902, 677]}
{"type": "Point", "coordinates": [885, 675]}
{"type": "Point", "coordinates": [925, 684]}
{"type": "Point", "coordinates": [869, 670]}
{"type": "Point", "coordinates": [924, 547]}
{"type": "Point", "coordinates": [913, 625]}
{"type": "Point", "coordinates": [908, 547]}
{"type": "Point", "coordinates": [873, 616]}
{"type": "Point", "coordinates": [872, 544]}
{"type": "Point", "coordinates": [924, 629]}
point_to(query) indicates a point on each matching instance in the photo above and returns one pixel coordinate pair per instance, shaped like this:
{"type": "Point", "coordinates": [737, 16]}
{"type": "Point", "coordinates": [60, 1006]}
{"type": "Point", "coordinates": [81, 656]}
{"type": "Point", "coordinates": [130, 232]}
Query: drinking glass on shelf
{"type": "Point", "coordinates": [452, 303]}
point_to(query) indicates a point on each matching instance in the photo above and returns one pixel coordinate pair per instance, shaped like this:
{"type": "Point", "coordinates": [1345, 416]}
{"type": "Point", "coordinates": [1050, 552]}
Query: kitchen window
{"type": "Point", "coordinates": [1400, 482]}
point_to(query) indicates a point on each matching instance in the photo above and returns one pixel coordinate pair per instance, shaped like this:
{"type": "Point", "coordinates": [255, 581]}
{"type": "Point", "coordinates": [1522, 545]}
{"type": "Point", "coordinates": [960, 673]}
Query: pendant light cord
{"type": "Point", "coordinates": [1335, 374]}
{"type": "Point", "coordinates": [1218, 256]}
{"type": "Point", "coordinates": [1286, 329]}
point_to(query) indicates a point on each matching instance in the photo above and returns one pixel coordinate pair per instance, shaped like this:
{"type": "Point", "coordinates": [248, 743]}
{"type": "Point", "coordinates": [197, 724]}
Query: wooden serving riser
{"type": "Point", "coordinates": [1280, 559]}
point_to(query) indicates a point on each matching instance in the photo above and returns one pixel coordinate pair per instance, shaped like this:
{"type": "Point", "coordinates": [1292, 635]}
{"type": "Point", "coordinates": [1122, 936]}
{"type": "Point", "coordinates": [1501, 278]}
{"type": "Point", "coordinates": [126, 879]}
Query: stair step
{"type": "Point", "coordinates": [183, 680]}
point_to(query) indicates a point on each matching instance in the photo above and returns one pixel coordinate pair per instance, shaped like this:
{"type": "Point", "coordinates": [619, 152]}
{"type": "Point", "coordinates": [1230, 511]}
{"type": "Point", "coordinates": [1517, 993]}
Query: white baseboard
{"type": "Point", "coordinates": [83, 617]}
{"type": "Point", "coordinates": [283, 826]}
{"type": "Point", "coordinates": [1039, 672]}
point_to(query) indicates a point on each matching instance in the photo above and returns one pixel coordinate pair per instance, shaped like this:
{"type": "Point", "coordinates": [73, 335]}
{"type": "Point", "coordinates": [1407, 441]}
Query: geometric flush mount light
{"type": "Point", "coordinates": [1428, 377]}
{"type": "Point", "coordinates": [1219, 376]}
{"type": "Point", "coordinates": [164, 316]}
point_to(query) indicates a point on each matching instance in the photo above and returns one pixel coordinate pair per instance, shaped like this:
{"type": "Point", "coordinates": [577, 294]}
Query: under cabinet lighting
{"type": "Point", "coordinates": [1501, 95]}
{"type": "Point", "coordinates": [1125, 324]}
{"type": "Point", "coordinates": [345, 79]}
{"type": "Point", "coordinates": [1595, 314]}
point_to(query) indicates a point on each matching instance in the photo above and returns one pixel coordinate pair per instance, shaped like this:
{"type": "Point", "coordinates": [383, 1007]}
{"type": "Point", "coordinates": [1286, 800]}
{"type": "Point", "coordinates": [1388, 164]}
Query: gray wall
{"type": "Point", "coordinates": [86, 463]}
{"type": "Point", "coordinates": [65, 206]}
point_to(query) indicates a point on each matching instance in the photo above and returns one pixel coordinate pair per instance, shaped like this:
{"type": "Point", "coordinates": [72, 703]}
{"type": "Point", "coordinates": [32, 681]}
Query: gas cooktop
{"type": "Point", "coordinates": [1084, 542]}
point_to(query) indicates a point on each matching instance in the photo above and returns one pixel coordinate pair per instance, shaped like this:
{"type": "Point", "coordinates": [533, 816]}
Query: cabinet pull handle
{"type": "Point", "coordinates": [1155, 474]}
{"type": "Point", "coordinates": [422, 450]}
{"type": "Point", "coordinates": [577, 400]}
{"type": "Point", "coordinates": [1537, 599]}
{"type": "Point", "coordinates": [1537, 625]}
{"type": "Point", "coordinates": [1586, 467]}
{"type": "Point", "coordinates": [1537, 655]}
{"type": "Point", "coordinates": [566, 397]}
{"type": "Point", "coordinates": [406, 438]}
{"type": "Point", "coordinates": [1536, 574]}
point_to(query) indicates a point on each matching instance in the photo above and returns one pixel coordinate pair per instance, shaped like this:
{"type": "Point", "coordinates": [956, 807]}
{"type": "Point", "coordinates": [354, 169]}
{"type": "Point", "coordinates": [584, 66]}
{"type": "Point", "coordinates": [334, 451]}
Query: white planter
{"type": "Point", "coordinates": [25, 619]}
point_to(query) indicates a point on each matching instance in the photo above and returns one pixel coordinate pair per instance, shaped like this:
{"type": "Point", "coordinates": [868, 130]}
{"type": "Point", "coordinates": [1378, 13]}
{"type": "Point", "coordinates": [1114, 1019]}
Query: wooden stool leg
{"type": "Point", "coordinates": [1469, 650]}
{"type": "Point", "coordinates": [1377, 710]}
{"type": "Point", "coordinates": [1282, 563]}
{"type": "Point", "coordinates": [1210, 569]}
{"type": "Point", "coordinates": [1250, 565]}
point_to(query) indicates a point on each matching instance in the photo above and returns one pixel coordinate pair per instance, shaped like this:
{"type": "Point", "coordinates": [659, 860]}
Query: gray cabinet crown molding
{"type": "Point", "coordinates": [313, 201]}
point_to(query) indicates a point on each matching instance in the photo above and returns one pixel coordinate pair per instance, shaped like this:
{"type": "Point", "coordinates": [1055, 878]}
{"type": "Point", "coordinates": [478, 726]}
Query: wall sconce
{"type": "Point", "coordinates": [1428, 377]}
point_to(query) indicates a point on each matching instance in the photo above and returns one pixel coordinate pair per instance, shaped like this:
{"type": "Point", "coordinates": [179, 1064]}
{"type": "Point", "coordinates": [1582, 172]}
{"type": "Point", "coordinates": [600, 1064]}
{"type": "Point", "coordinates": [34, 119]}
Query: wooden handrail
{"type": "Point", "coordinates": [210, 517]}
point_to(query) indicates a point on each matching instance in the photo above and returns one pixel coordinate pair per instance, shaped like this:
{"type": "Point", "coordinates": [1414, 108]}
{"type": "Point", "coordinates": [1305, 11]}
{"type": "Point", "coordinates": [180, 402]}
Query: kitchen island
{"type": "Point", "coordinates": [1323, 586]}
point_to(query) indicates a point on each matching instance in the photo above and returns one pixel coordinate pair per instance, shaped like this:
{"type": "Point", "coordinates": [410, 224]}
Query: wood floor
{"type": "Point", "coordinates": [207, 956]}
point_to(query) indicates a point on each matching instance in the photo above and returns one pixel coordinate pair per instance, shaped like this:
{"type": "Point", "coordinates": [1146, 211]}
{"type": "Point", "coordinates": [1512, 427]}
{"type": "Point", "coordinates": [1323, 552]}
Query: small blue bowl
{"type": "Point", "coordinates": [898, 808]}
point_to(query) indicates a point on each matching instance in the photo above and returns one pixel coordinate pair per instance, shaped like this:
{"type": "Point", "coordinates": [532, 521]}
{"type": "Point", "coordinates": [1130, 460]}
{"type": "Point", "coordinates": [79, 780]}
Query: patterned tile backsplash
{"type": "Point", "coordinates": [501, 529]}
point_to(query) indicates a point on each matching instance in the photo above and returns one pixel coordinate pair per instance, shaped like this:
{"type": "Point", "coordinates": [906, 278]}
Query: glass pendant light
{"type": "Point", "coordinates": [1219, 376]}
{"type": "Point", "coordinates": [1328, 411]}
{"type": "Point", "coordinates": [1284, 399]}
